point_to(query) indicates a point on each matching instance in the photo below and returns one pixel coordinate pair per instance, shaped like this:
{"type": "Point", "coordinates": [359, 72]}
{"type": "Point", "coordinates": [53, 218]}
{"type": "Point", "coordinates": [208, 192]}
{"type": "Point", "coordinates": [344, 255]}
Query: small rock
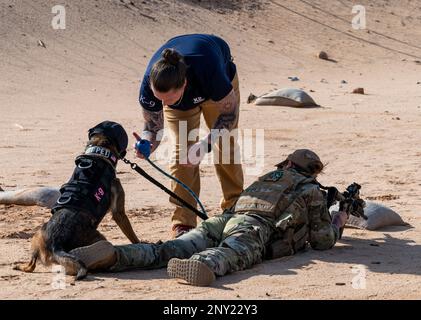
{"type": "Point", "coordinates": [419, 82]}
{"type": "Point", "coordinates": [344, 82]}
{"type": "Point", "coordinates": [397, 118]}
{"type": "Point", "coordinates": [42, 44]}
{"type": "Point", "coordinates": [311, 90]}
{"type": "Point", "coordinates": [253, 26]}
{"type": "Point", "coordinates": [375, 262]}
{"type": "Point", "coordinates": [20, 127]}
{"type": "Point", "coordinates": [323, 81]}
{"type": "Point", "coordinates": [251, 98]}
{"type": "Point", "coordinates": [417, 61]}
{"type": "Point", "coordinates": [323, 55]}
{"type": "Point", "coordinates": [267, 294]}
{"type": "Point", "coordinates": [271, 41]}
{"type": "Point", "coordinates": [374, 245]}
{"type": "Point", "coordinates": [340, 283]}
{"type": "Point", "coordinates": [293, 78]}
{"type": "Point", "coordinates": [358, 91]}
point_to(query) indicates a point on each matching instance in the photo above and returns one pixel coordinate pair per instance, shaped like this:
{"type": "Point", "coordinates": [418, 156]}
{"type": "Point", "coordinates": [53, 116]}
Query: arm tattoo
{"type": "Point", "coordinates": [229, 112]}
{"type": "Point", "coordinates": [154, 121]}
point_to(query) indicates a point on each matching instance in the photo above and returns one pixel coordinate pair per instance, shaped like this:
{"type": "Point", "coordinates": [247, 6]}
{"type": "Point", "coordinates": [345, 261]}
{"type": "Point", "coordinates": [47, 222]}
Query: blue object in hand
{"type": "Point", "coordinates": [144, 147]}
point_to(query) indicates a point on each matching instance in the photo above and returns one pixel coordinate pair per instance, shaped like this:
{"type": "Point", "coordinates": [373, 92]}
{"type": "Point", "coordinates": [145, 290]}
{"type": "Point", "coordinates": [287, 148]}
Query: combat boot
{"type": "Point", "coordinates": [98, 256]}
{"type": "Point", "coordinates": [193, 272]}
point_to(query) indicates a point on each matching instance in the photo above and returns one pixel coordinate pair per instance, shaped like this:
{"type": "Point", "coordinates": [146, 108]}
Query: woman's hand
{"type": "Point", "coordinates": [137, 153]}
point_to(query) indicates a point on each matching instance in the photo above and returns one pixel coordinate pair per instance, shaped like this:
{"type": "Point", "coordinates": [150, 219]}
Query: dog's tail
{"type": "Point", "coordinates": [30, 266]}
{"type": "Point", "coordinates": [72, 265]}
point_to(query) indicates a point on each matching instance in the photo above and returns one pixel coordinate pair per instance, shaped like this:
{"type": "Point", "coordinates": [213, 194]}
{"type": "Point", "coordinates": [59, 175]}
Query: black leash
{"type": "Point", "coordinates": [143, 173]}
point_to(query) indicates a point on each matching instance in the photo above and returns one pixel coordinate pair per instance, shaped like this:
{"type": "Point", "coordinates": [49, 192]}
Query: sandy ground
{"type": "Point", "coordinates": [90, 71]}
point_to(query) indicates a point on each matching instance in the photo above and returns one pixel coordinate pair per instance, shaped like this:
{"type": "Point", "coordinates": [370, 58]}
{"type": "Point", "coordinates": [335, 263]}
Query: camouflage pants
{"type": "Point", "coordinates": [226, 243]}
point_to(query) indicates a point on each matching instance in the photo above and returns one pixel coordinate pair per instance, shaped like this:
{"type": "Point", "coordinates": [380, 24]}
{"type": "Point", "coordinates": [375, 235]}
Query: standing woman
{"type": "Point", "coordinates": [188, 76]}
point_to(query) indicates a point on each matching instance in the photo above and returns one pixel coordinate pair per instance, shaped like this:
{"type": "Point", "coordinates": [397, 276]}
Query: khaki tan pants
{"type": "Point", "coordinates": [230, 174]}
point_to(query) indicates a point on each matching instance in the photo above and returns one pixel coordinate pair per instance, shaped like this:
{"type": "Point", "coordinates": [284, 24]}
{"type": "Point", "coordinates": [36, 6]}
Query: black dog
{"type": "Point", "coordinates": [91, 192]}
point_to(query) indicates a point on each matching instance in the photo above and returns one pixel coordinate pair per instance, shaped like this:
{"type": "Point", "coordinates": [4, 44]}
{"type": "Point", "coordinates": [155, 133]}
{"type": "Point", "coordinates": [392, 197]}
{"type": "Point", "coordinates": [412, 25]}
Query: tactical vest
{"type": "Point", "coordinates": [89, 188]}
{"type": "Point", "coordinates": [272, 193]}
{"type": "Point", "coordinates": [270, 196]}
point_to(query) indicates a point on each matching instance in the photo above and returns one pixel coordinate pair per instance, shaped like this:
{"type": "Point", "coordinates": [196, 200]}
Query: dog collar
{"type": "Point", "coordinates": [102, 152]}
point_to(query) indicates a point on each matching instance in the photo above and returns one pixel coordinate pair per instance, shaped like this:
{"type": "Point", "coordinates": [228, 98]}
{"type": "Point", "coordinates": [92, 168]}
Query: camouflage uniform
{"type": "Point", "coordinates": [284, 205]}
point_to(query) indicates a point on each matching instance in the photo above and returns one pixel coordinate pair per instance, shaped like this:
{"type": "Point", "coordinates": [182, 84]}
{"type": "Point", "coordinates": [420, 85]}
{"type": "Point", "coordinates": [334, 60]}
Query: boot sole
{"type": "Point", "coordinates": [193, 272]}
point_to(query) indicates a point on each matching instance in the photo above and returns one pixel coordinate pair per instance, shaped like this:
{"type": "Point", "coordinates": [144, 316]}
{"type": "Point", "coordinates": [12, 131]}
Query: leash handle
{"type": "Point", "coordinates": [143, 173]}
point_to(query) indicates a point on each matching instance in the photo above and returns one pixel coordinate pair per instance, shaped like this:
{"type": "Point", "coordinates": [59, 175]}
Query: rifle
{"type": "Point", "coordinates": [349, 201]}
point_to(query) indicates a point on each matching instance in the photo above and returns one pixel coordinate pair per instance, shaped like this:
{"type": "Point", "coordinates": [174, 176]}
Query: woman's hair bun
{"type": "Point", "coordinates": [171, 56]}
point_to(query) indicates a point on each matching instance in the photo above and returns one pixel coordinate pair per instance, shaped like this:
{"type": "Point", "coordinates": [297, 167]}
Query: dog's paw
{"type": "Point", "coordinates": [81, 274]}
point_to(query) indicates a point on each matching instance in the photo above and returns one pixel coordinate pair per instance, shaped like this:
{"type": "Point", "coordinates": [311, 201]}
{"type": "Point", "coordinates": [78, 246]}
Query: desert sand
{"type": "Point", "coordinates": [51, 94]}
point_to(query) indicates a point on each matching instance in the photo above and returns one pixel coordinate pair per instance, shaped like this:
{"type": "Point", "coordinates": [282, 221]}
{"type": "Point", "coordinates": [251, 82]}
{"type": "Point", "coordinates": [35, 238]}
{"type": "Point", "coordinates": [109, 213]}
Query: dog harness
{"type": "Point", "coordinates": [89, 188]}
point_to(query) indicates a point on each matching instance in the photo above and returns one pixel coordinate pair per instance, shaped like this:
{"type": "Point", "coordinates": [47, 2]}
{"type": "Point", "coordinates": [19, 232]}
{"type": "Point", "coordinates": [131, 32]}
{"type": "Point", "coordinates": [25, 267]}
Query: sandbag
{"type": "Point", "coordinates": [288, 97]}
{"type": "Point", "coordinates": [379, 216]}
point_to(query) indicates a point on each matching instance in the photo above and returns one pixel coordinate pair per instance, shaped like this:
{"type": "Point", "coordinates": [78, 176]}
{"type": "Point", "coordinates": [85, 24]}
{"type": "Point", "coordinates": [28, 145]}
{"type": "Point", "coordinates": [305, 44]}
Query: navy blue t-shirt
{"type": "Point", "coordinates": [209, 73]}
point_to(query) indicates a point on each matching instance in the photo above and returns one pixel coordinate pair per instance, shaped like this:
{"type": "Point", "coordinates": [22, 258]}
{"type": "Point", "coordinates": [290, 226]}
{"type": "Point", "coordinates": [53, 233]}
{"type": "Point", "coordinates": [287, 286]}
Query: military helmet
{"type": "Point", "coordinates": [303, 158]}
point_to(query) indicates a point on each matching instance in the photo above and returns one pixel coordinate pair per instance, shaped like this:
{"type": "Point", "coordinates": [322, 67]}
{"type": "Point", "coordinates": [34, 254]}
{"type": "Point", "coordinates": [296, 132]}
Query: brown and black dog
{"type": "Point", "coordinates": [92, 191]}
